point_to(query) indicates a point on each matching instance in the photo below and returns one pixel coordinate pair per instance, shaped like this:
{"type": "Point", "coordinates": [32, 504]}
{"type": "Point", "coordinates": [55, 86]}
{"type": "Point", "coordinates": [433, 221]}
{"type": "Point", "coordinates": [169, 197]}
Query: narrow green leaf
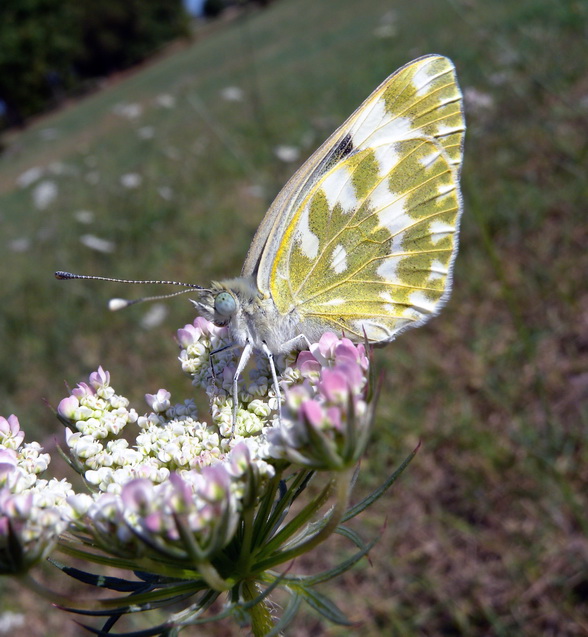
{"type": "Point", "coordinates": [141, 601]}
{"type": "Point", "coordinates": [351, 535]}
{"type": "Point", "coordinates": [325, 576]}
{"type": "Point", "coordinates": [283, 504]}
{"type": "Point", "coordinates": [100, 581]}
{"type": "Point", "coordinates": [127, 606]}
{"type": "Point", "coordinates": [370, 499]}
{"type": "Point", "coordinates": [263, 513]}
{"type": "Point", "coordinates": [156, 631]}
{"type": "Point", "coordinates": [324, 606]}
{"type": "Point", "coordinates": [297, 522]}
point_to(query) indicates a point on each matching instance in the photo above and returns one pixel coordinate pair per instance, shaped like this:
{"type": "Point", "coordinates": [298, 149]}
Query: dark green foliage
{"type": "Point", "coordinates": [117, 34]}
{"type": "Point", "coordinates": [38, 41]}
{"type": "Point", "coordinates": [213, 8]}
{"type": "Point", "coordinates": [50, 47]}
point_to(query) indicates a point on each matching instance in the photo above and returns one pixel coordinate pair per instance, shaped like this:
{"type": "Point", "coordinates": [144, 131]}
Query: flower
{"type": "Point", "coordinates": [146, 132]}
{"type": "Point", "coordinates": [159, 401]}
{"type": "Point", "coordinates": [287, 154]}
{"type": "Point", "coordinates": [131, 180]}
{"type": "Point", "coordinates": [84, 216]}
{"type": "Point", "coordinates": [128, 110]}
{"type": "Point", "coordinates": [154, 316]}
{"type": "Point", "coordinates": [326, 421]}
{"type": "Point", "coordinates": [44, 194]}
{"type": "Point", "coordinates": [97, 243]}
{"type": "Point", "coordinates": [232, 94]}
{"type": "Point", "coordinates": [165, 100]}
{"type": "Point", "coordinates": [29, 176]}
{"type": "Point", "coordinates": [11, 436]}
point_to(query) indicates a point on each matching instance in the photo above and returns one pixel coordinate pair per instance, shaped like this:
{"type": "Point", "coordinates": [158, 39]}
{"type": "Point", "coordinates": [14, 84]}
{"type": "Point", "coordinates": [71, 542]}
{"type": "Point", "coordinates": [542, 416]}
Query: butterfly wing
{"type": "Point", "coordinates": [363, 237]}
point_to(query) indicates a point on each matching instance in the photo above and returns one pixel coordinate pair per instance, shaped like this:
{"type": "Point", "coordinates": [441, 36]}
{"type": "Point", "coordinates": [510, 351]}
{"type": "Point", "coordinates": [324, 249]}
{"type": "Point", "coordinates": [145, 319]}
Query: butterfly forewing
{"type": "Point", "coordinates": [421, 99]}
{"type": "Point", "coordinates": [422, 96]}
{"type": "Point", "coordinates": [369, 245]}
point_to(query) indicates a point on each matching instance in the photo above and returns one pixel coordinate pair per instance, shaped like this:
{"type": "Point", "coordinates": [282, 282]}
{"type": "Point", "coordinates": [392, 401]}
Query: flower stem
{"type": "Point", "coordinates": [261, 618]}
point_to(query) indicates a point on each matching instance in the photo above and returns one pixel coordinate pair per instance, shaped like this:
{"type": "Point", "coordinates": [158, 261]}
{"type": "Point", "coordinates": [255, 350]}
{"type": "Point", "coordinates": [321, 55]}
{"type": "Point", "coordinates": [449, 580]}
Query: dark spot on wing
{"type": "Point", "coordinates": [343, 148]}
{"type": "Point", "coordinates": [339, 152]}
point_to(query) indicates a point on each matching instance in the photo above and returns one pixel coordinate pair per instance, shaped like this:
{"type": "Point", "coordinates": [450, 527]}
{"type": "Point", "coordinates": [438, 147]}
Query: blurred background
{"type": "Point", "coordinates": [146, 140]}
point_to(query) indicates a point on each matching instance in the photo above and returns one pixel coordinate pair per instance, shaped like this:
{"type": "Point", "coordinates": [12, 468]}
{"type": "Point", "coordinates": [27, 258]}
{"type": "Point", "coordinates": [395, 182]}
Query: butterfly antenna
{"type": "Point", "coordinates": [119, 304]}
{"type": "Point", "coordinates": [68, 275]}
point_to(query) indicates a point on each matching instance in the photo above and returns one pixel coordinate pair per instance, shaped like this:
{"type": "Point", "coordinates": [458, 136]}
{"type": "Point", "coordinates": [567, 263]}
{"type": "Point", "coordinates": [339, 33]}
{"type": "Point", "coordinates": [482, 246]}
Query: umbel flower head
{"type": "Point", "coordinates": [197, 509]}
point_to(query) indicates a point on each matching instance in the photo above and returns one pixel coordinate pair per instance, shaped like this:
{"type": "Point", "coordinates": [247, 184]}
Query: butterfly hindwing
{"type": "Point", "coordinates": [366, 238]}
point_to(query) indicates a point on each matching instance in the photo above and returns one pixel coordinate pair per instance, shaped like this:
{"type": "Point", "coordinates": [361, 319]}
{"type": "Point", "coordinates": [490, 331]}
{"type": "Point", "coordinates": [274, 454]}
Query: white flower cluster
{"type": "Point", "coordinates": [168, 439]}
{"type": "Point", "coordinates": [33, 511]}
{"type": "Point", "coordinates": [172, 452]}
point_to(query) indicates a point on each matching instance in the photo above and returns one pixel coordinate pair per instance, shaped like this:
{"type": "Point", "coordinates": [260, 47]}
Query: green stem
{"type": "Point", "coordinates": [261, 617]}
{"type": "Point", "coordinates": [212, 578]}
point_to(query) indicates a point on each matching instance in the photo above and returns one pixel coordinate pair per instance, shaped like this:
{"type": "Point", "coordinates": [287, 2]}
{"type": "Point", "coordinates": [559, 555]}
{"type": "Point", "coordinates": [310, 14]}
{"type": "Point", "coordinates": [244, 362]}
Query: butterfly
{"type": "Point", "coordinates": [363, 238]}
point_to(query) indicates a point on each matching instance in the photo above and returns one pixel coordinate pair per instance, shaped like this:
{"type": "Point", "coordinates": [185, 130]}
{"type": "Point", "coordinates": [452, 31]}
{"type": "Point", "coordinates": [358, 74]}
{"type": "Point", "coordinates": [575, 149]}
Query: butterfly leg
{"type": "Point", "coordinates": [293, 341]}
{"type": "Point", "coordinates": [245, 355]}
{"type": "Point", "coordinates": [272, 365]}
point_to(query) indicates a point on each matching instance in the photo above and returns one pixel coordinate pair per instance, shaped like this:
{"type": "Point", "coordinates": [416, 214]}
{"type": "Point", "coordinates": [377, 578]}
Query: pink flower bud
{"type": "Point", "coordinates": [216, 484]}
{"type": "Point", "coordinates": [183, 495]}
{"type": "Point", "coordinates": [323, 351]}
{"type": "Point", "coordinates": [188, 335]}
{"type": "Point", "coordinates": [160, 401]}
{"type": "Point", "coordinates": [240, 459]}
{"type": "Point", "coordinates": [100, 378]}
{"type": "Point", "coordinates": [137, 495]}
{"type": "Point", "coordinates": [10, 430]}
{"type": "Point", "coordinates": [334, 385]}
{"type": "Point", "coordinates": [7, 462]}
{"type": "Point", "coordinates": [296, 395]}
{"type": "Point", "coordinates": [346, 351]}
{"type": "Point", "coordinates": [9, 425]}
{"type": "Point", "coordinates": [67, 407]}
{"type": "Point", "coordinates": [308, 365]}
{"type": "Point", "coordinates": [82, 390]}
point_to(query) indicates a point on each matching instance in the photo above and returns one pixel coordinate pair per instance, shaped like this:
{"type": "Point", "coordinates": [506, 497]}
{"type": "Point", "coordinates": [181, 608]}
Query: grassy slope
{"type": "Point", "coordinates": [486, 533]}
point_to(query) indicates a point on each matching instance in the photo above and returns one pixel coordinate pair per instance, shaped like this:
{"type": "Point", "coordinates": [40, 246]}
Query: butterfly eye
{"type": "Point", "coordinates": [224, 304]}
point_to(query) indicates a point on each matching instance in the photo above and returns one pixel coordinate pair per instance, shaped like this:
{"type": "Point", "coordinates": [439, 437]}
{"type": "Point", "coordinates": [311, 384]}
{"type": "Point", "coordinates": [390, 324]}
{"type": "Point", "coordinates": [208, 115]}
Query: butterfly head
{"type": "Point", "coordinates": [225, 300]}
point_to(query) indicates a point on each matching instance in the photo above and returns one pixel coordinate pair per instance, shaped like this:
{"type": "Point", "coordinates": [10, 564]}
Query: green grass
{"type": "Point", "coordinates": [486, 532]}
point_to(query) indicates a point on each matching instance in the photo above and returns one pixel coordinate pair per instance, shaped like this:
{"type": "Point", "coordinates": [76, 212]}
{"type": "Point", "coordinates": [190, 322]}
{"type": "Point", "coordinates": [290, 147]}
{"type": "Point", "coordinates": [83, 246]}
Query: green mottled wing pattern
{"type": "Point", "coordinates": [367, 240]}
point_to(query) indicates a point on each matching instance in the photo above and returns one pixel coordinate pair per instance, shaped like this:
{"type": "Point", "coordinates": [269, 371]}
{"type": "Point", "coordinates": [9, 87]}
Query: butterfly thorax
{"type": "Point", "coordinates": [250, 316]}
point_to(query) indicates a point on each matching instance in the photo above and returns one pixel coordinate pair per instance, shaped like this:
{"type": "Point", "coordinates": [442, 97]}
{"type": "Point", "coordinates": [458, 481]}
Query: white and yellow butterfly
{"type": "Point", "coordinates": [363, 237]}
